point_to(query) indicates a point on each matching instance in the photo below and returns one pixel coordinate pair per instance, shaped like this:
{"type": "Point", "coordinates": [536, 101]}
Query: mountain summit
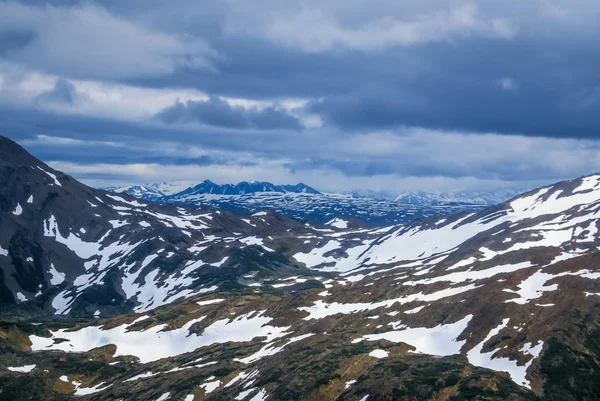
{"type": "Point", "coordinates": [244, 188]}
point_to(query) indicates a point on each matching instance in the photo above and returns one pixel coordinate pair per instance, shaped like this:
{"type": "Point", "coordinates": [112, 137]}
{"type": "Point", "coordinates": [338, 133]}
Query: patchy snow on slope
{"type": "Point", "coordinates": [123, 200]}
{"type": "Point", "coordinates": [320, 309]}
{"type": "Point", "coordinates": [316, 256]}
{"type": "Point", "coordinates": [155, 343]}
{"type": "Point", "coordinates": [220, 262]}
{"type": "Point", "coordinates": [30, 199]}
{"type": "Point", "coordinates": [488, 360]}
{"type": "Point", "coordinates": [80, 391]}
{"type": "Point", "coordinates": [210, 301]}
{"type": "Point", "coordinates": [534, 286]}
{"type": "Point", "coordinates": [378, 353]}
{"type": "Point", "coordinates": [269, 350]}
{"type": "Point", "coordinates": [255, 241]}
{"type": "Point", "coordinates": [337, 223]}
{"type": "Point", "coordinates": [260, 396]}
{"type": "Point", "coordinates": [164, 397]}
{"type": "Point", "coordinates": [21, 369]}
{"type": "Point", "coordinates": [210, 386]}
{"type": "Point", "coordinates": [56, 182]}
{"type": "Point", "coordinates": [461, 277]}
{"type": "Point", "coordinates": [18, 210]}
{"type": "Point", "coordinates": [84, 250]}
{"type": "Point", "coordinates": [463, 263]}
{"type": "Point", "coordinates": [56, 277]}
{"type": "Point", "coordinates": [439, 340]}
{"type": "Point", "coordinates": [415, 310]}
{"type": "Point", "coordinates": [3, 252]}
{"type": "Point", "coordinates": [118, 223]}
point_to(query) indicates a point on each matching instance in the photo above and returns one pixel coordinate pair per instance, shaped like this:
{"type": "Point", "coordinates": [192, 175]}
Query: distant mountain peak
{"type": "Point", "coordinates": [464, 197]}
{"type": "Point", "coordinates": [244, 188]}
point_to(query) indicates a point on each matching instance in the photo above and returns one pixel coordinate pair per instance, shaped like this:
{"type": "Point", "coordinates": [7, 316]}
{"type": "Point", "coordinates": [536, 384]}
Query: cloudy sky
{"type": "Point", "coordinates": [339, 94]}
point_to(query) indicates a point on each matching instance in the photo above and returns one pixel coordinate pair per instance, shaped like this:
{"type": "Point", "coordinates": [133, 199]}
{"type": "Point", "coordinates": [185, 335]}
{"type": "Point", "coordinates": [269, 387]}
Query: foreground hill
{"type": "Point", "coordinates": [186, 304]}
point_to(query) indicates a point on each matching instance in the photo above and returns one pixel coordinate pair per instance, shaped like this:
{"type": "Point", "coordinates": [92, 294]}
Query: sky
{"type": "Point", "coordinates": [342, 95]}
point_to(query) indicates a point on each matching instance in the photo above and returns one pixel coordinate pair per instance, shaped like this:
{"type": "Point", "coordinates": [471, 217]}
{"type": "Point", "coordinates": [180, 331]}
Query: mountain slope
{"type": "Point", "coordinates": [201, 304]}
{"type": "Point", "coordinates": [468, 198]}
{"type": "Point", "coordinates": [73, 249]}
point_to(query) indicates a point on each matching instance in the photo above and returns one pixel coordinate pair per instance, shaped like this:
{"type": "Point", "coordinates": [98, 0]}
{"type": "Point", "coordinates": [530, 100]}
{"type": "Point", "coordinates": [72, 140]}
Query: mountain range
{"type": "Point", "coordinates": [106, 296]}
{"type": "Point", "coordinates": [306, 203]}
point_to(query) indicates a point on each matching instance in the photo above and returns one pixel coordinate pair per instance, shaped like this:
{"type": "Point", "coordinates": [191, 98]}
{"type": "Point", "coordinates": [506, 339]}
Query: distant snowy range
{"type": "Point", "coordinates": [308, 204]}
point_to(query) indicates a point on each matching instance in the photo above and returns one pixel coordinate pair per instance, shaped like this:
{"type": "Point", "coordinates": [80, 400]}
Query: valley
{"type": "Point", "coordinates": [106, 296]}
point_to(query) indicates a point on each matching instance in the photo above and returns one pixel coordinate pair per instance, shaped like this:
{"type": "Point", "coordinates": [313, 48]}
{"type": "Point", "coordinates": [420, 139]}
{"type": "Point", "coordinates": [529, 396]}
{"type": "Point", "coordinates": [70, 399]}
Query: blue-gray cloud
{"type": "Point", "coordinates": [64, 92]}
{"type": "Point", "coordinates": [218, 112]}
{"type": "Point", "coordinates": [524, 71]}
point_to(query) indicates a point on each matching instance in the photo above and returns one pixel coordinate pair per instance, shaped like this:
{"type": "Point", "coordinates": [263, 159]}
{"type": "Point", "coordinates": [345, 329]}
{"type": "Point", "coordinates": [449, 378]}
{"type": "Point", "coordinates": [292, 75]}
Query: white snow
{"type": "Point", "coordinates": [56, 182]}
{"type": "Point", "coordinates": [487, 359]}
{"type": "Point", "coordinates": [21, 369]}
{"type": "Point", "coordinates": [244, 394]}
{"type": "Point", "coordinates": [80, 391]}
{"type": "Point", "coordinates": [255, 241]}
{"type": "Point", "coordinates": [337, 223]}
{"type": "Point", "coordinates": [155, 343]}
{"type": "Point", "coordinates": [320, 309]}
{"type": "Point", "coordinates": [439, 340]}
{"type": "Point", "coordinates": [30, 199]}
{"type": "Point", "coordinates": [315, 256]}
{"type": "Point", "coordinates": [211, 386]}
{"type": "Point", "coordinates": [118, 223]}
{"type": "Point", "coordinates": [349, 383]}
{"type": "Point", "coordinates": [460, 277]}
{"type": "Point", "coordinates": [164, 397]}
{"type": "Point", "coordinates": [378, 353]}
{"type": "Point", "coordinates": [462, 263]}
{"type": "Point", "coordinates": [220, 262]}
{"type": "Point", "coordinates": [3, 252]}
{"type": "Point", "coordinates": [210, 301]}
{"type": "Point", "coordinates": [268, 349]}
{"type": "Point", "coordinates": [18, 210]}
{"type": "Point", "coordinates": [56, 277]}
{"type": "Point", "coordinates": [415, 310]}
{"type": "Point", "coordinates": [123, 200]}
{"type": "Point", "coordinates": [534, 286]}
{"type": "Point", "coordinates": [260, 396]}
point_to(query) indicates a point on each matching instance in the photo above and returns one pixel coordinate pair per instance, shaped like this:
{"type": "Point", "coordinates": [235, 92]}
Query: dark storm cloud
{"type": "Point", "coordinates": [220, 113]}
{"type": "Point", "coordinates": [480, 87]}
{"type": "Point", "coordinates": [374, 75]}
{"type": "Point", "coordinates": [435, 82]}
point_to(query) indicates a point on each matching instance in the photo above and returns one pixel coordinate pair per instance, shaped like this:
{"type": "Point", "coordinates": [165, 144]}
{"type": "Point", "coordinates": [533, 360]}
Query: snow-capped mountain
{"type": "Point", "coordinates": [189, 303]}
{"type": "Point", "coordinates": [151, 192]}
{"type": "Point", "coordinates": [208, 187]}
